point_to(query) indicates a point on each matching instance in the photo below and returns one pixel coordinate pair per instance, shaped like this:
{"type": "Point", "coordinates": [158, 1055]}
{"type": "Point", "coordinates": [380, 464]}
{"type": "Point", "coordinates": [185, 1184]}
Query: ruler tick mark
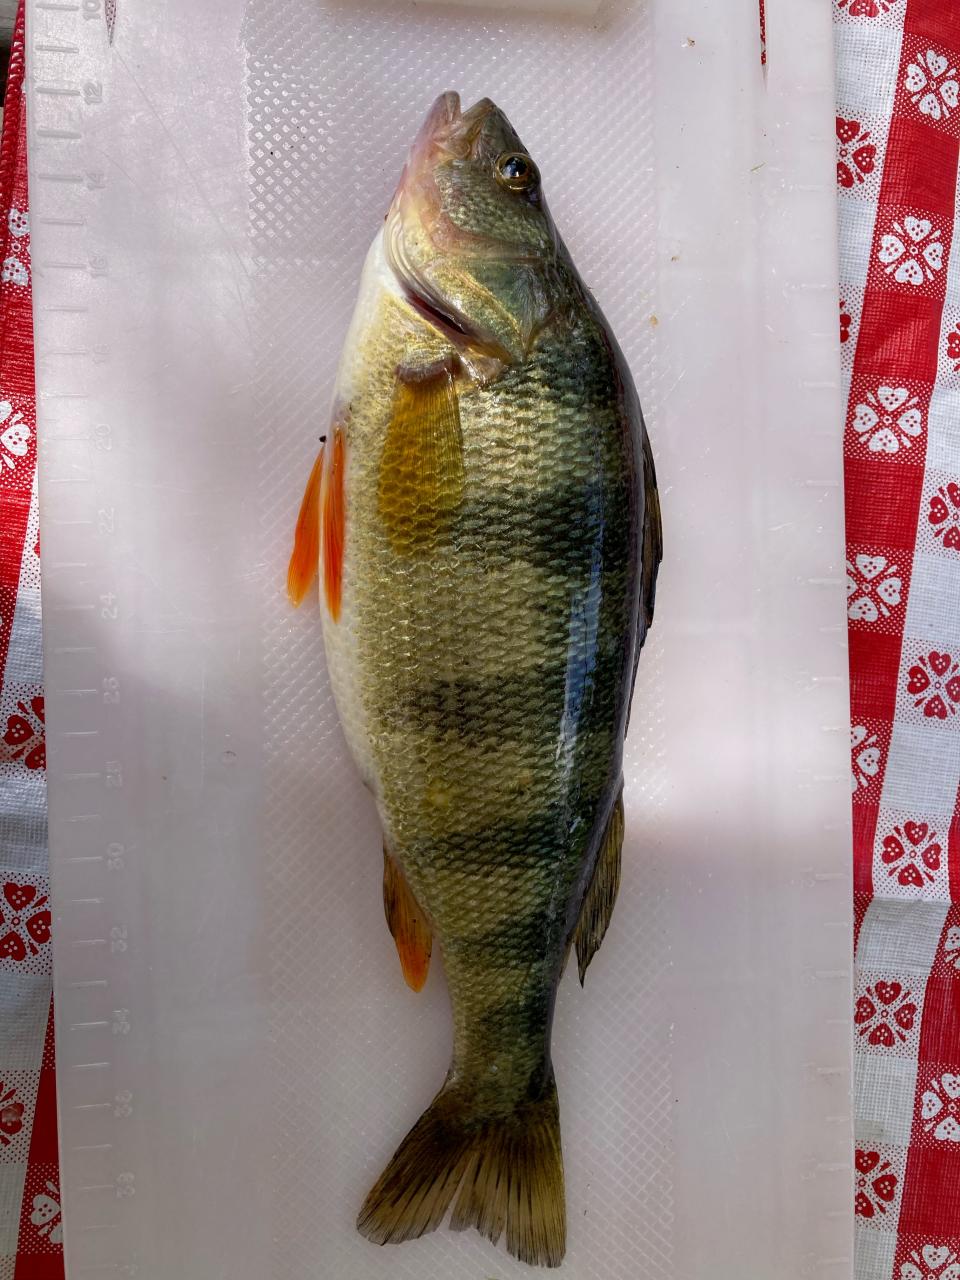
{"type": "Point", "coordinates": [62, 135]}
{"type": "Point", "coordinates": [89, 982]}
{"type": "Point", "coordinates": [84, 857]}
{"type": "Point", "coordinates": [94, 1146]}
{"type": "Point", "coordinates": [57, 48]}
{"type": "Point", "coordinates": [56, 91]}
{"type": "Point", "coordinates": [88, 1026]}
{"type": "Point", "coordinates": [89, 1066]}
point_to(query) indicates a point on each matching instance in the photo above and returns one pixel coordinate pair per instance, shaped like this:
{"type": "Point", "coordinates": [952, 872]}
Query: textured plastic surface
{"type": "Point", "coordinates": [238, 1052]}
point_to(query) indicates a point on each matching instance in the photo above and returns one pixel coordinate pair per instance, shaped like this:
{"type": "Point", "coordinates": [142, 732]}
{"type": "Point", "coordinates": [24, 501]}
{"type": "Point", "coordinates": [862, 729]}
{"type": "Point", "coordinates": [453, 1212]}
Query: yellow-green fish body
{"type": "Point", "coordinates": [489, 544]}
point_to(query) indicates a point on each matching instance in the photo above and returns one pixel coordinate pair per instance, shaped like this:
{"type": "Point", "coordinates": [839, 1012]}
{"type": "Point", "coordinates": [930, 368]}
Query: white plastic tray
{"type": "Point", "coordinates": [232, 1075]}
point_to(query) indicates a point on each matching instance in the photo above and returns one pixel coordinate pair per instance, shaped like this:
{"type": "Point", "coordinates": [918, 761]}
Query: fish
{"type": "Point", "coordinates": [484, 520]}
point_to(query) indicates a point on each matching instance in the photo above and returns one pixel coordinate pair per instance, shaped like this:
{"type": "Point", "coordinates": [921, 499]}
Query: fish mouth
{"type": "Point", "coordinates": [450, 127]}
{"type": "Point", "coordinates": [446, 131]}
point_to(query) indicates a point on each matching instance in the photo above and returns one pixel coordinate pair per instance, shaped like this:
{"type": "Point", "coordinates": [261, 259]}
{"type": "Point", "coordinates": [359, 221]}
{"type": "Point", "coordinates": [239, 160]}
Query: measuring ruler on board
{"type": "Point", "coordinates": [93, 850]}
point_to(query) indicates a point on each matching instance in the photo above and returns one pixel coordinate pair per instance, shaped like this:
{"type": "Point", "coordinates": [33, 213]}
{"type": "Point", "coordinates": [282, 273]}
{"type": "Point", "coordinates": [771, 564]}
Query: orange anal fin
{"type": "Point", "coordinates": [407, 922]}
{"type": "Point", "coordinates": [305, 557]}
{"type": "Point", "coordinates": [332, 524]}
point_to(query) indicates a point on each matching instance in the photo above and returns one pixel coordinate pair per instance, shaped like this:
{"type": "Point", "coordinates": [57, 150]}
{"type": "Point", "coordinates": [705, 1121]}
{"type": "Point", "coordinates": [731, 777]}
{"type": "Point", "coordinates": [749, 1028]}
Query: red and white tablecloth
{"type": "Point", "coordinates": [898, 143]}
{"type": "Point", "coordinates": [30, 1230]}
{"type": "Point", "coordinates": [898, 140]}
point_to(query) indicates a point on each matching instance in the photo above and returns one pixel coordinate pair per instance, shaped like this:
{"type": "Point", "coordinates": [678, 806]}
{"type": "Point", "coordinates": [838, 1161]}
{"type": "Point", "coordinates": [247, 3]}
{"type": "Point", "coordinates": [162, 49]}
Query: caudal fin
{"type": "Point", "coordinates": [508, 1170]}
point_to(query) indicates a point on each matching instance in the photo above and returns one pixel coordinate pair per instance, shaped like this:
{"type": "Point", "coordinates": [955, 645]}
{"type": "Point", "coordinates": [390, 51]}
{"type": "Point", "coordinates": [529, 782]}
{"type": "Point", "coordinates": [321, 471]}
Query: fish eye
{"type": "Point", "coordinates": [517, 171]}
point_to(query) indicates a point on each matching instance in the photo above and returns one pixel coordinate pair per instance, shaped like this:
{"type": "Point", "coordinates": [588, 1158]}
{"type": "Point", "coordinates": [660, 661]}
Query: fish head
{"type": "Point", "coordinates": [469, 235]}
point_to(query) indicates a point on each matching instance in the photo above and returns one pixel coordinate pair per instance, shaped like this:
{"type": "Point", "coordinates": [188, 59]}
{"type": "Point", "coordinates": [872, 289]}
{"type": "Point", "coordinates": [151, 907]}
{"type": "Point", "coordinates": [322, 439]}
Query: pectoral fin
{"type": "Point", "coordinates": [407, 922]}
{"type": "Point", "coordinates": [600, 897]}
{"type": "Point", "coordinates": [421, 480]}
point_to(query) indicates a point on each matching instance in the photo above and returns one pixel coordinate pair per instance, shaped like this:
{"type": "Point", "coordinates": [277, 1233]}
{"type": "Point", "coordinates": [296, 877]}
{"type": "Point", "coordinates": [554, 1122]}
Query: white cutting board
{"type": "Point", "coordinates": [236, 1053]}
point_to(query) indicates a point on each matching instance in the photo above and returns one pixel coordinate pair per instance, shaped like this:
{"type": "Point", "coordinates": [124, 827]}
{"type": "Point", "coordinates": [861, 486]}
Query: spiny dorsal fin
{"type": "Point", "coordinates": [305, 557]}
{"type": "Point", "coordinates": [651, 554]}
{"type": "Point", "coordinates": [421, 469]}
{"type": "Point", "coordinates": [600, 898]}
{"type": "Point", "coordinates": [407, 922]}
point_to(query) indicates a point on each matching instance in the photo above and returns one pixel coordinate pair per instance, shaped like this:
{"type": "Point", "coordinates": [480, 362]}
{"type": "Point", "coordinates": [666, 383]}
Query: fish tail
{"type": "Point", "coordinates": [507, 1167]}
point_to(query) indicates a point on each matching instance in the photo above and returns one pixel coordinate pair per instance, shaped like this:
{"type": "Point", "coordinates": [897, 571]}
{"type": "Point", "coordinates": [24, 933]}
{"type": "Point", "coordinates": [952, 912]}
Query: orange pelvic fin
{"type": "Point", "coordinates": [332, 525]}
{"type": "Point", "coordinates": [305, 556]}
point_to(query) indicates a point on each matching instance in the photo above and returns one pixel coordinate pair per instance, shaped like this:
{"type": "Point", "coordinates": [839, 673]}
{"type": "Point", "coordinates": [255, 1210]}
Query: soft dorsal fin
{"type": "Point", "coordinates": [407, 922]}
{"type": "Point", "coordinates": [421, 469]}
{"type": "Point", "coordinates": [305, 557]}
{"type": "Point", "coordinates": [651, 552]}
{"type": "Point", "coordinates": [600, 897]}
